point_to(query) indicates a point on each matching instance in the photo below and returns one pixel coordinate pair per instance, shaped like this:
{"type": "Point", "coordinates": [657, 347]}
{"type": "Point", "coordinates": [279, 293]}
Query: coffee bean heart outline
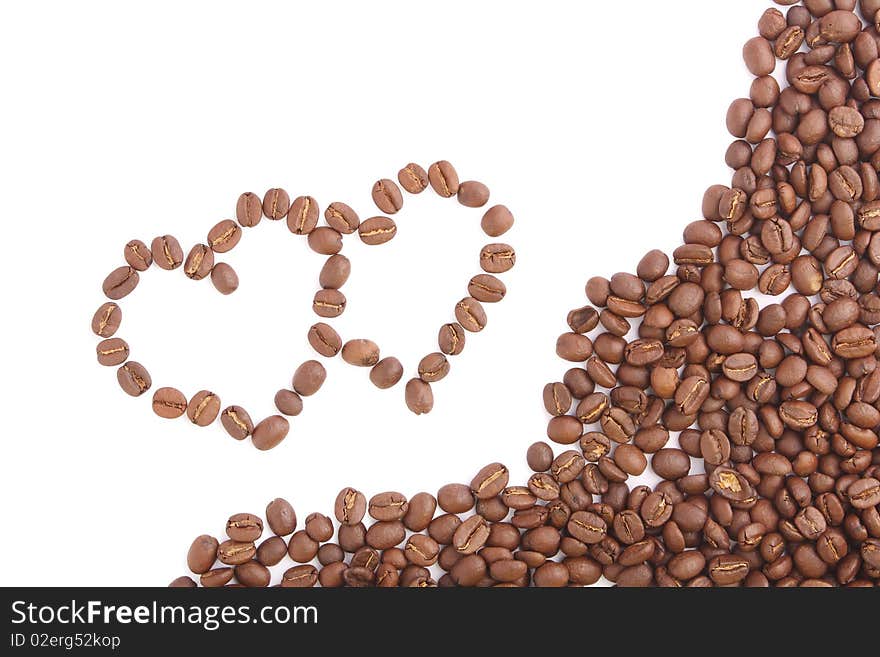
{"type": "Point", "coordinates": [329, 302]}
{"type": "Point", "coordinates": [495, 258]}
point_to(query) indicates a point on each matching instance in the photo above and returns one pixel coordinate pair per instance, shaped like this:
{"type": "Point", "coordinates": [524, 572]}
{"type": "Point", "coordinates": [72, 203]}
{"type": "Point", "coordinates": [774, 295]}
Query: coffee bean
{"type": "Point", "coordinates": [419, 397]}
{"type": "Point", "coordinates": [341, 218]}
{"type": "Point", "coordinates": [319, 527]}
{"type": "Point", "coordinates": [496, 221]}
{"type": "Point", "coordinates": [224, 236]}
{"type": "Point", "coordinates": [864, 493]}
{"type": "Point", "coordinates": [388, 506]}
{"type": "Point", "coordinates": [288, 402]}
{"type": "Point", "coordinates": [235, 420]}
{"type": "Point", "coordinates": [248, 210]}
{"type": "Point", "coordinates": [276, 203]}
{"type": "Point", "coordinates": [386, 373]}
{"type": "Point", "coordinates": [216, 577]}
{"type": "Point", "coordinates": [443, 178]}
{"type": "Point", "coordinates": [433, 367]}
{"type": "Point", "coordinates": [335, 271]}
{"type": "Point", "coordinates": [497, 258]}
{"type": "Point", "coordinates": [167, 253]}
{"type": "Point", "coordinates": [137, 255]}
{"type": "Point", "coordinates": [302, 218]}
{"type": "Point", "coordinates": [377, 230]}
{"type": "Point", "coordinates": [490, 481]}
{"type": "Point", "coordinates": [329, 303]}
{"type": "Point", "coordinates": [112, 351]}
{"type": "Point", "coordinates": [413, 178]}
{"type": "Point", "coordinates": [169, 403]}
{"type": "Point", "coordinates": [473, 194]}
{"type": "Point", "coordinates": [224, 278]}
{"type": "Point", "coordinates": [361, 353]}
{"type": "Point", "coordinates": [120, 283]}
{"type": "Point", "coordinates": [203, 408]}
{"type": "Point", "coordinates": [325, 340]}
{"type": "Point", "coordinates": [470, 315]}
{"type": "Point", "coordinates": [269, 432]}
{"type": "Point", "coordinates": [451, 339]}
{"type": "Point", "coordinates": [199, 262]}
{"type": "Point", "coordinates": [386, 534]}
{"type": "Point", "coordinates": [309, 377]}
{"type": "Point", "coordinates": [133, 378]}
{"type": "Point", "coordinates": [387, 196]}
{"type": "Point", "coordinates": [351, 506]}
{"type": "Point", "coordinates": [244, 527]}
{"type": "Point", "coordinates": [325, 240]}
{"type": "Point", "coordinates": [233, 553]}
{"type": "Point", "coordinates": [486, 288]}
{"type": "Point", "coordinates": [202, 554]}
{"type": "Point", "coordinates": [106, 320]}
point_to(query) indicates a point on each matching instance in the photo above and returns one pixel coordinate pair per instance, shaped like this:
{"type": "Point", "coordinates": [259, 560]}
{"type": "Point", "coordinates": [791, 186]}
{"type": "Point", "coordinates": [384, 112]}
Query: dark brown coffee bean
{"type": "Point", "coordinates": [233, 553]}
{"type": "Point", "coordinates": [490, 481]}
{"type": "Point", "coordinates": [202, 554]}
{"type": "Point", "coordinates": [133, 378]}
{"type": "Point", "coordinates": [169, 403]}
{"type": "Point", "coordinates": [281, 517]}
{"type": "Point", "coordinates": [244, 527]}
{"type": "Point", "coordinates": [167, 253]}
{"type": "Point", "coordinates": [443, 178]}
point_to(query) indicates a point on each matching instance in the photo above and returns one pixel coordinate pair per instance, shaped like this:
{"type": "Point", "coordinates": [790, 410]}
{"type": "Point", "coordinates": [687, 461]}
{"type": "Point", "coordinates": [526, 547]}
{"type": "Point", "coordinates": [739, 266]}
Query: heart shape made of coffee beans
{"type": "Point", "coordinates": [302, 216]}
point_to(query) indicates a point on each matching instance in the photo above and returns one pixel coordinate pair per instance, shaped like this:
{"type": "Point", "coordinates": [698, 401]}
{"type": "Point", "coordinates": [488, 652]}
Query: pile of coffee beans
{"type": "Point", "coordinates": [302, 218]}
{"type": "Point", "coordinates": [470, 316]}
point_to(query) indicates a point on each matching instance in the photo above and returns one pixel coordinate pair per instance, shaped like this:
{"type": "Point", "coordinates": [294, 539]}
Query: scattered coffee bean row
{"type": "Point", "coordinates": [204, 407]}
{"type": "Point", "coordinates": [470, 315]}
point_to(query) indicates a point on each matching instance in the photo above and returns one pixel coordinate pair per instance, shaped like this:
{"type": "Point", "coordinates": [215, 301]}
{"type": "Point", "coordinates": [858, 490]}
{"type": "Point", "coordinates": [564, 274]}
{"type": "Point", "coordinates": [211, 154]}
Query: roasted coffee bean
{"type": "Point", "coordinates": [248, 210]}
{"type": "Point", "coordinates": [106, 320]}
{"type": "Point", "coordinates": [270, 432]}
{"type": "Point", "coordinates": [341, 218]}
{"type": "Point", "coordinates": [203, 408]}
{"type": "Point", "coordinates": [377, 230]}
{"type": "Point", "coordinates": [120, 283]}
{"type": "Point", "coordinates": [236, 421]}
{"type": "Point", "coordinates": [288, 402]}
{"type": "Point", "coordinates": [137, 255]}
{"type": "Point", "coordinates": [451, 339]}
{"type": "Point", "coordinates": [419, 397]}
{"type": "Point", "coordinates": [244, 527]}
{"type": "Point", "coordinates": [386, 373]}
{"type": "Point", "coordinates": [487, 288]}
{"type": "Point", "coordinates": [133, 378]}
{"type": "Point", "coordinates": [497, 258]}
{"type": "Point", "coordinates": [470, 315]}
{"type": "Point", "coordinates": [302, 217]}
{"type": "Point", "coordinates": [497, 221]}
{"type": "Point", "coordinates": [224, 236]}
{"type": "Point", "coordinates": [169, 403]}
{"type": "Point", "coordinates": [473, 194]}
{"type": "Point", "coordinates": [224, 278]}
{"type": "Point", "coordinates": [325, 340]}
{"type": "Point", "coordinates": [112, 351]}
{"type": "Point", "coordinates": [276, 203]}
{"type": "Point", "coordinates": [433, 367]}
{"type": "Point", "coordinates": [325, 240]}
{"type": "Point", "coordinates": [413, 178]}
{"type": "Point", "coordinates": [351, 506]}
{"type": "Point", "coordinates": [202, 554]}
{"type": "Point", "coordinates": [309, 377]}
{"type": "Point", "coordinates": [490, 481]}
{"type": "Point", "coordinates": [281, 517]}
{"type": "Point", "coordinates": [335, 272]}
{"type": "Point", "coordinates": [167, 253]}
{"type": "Point", "coordinates": [329, 303]}
{"type": "Point", "coordinates": [443, 179]}
{"type": "Point", "coordinates": [387, 196]}
{"type": "Point", "coordinates": [361, 353]}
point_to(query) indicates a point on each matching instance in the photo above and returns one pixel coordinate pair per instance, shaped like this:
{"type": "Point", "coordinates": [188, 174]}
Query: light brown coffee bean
{"type": "Point", "coordinates": [325, 240]}
{"type": "Point", "coordinates": [443, 178]}
{"type": "Point", "coordinates": [433, 367]}
{"type": "Point", "coordinates": [325, 340]}
{"type": "Point", "coordinates": [377, 230]}
{"type": "Point", "coordinates": [451, 339]}
{"type": "Point", "coordinates": [237, 422]}
{"type": "Point", "coordinates": [419, 397]}
{"type": "Point", "coordinates": [203, 408]}
{"type": "Point", "coordinates": [473, 194]}
{"type": "Point", "coordinates": [224, 278]}
{"type": "Point", "coordinates": [270, 432]}
{"type": "Point", "coordinates": [303, 215]}
{"type": "Point", "coordinates": [248, 210]}
{"type": "Point", "coordinates": [169, 403]}
{"type": "Point", "coordinates": [199, 262]}
{"type": "Point", "coordinates": [106, 320]}
{"type": "Point", "coordinates": [120, 283]}
{"type": "Point", "coordinates": [133, 378]}
{"type": "Point", "coordinates": [342, 218]}
{"type": "Point", "coordinates": [335, 271]}
{"type": "Point", "coordinates": [224, 236]}
{"type": "Point", "coordinates": [167, 253]}
{"type": "Point", "coordinates": [497, 221]}
{"type": "Point", "coordinates": [360, 353]}
{"type": "Point", "coordinates": [470, 315]}
{"type": "Point", "coordinates": [387, 197]}
{"type": "Point", "coordinates": [288, 403]}
{"type": "Point", "coordinates": [497, 258]}
{"type": "Point", "coordinates": [329, 303]}
{"type": "Point", "coordinates": [112, 351]}
{"type": "Point", "coordinates": [137, 255]}
{"type": "Point", "coordinates": [486, 288]}
{"type": "Point", "coordinates": [276, 203]}
{"type": "Point", "coordinates": [386, 373]}
{"type": "Point", "coordinates": [413, 178]}
{"type": "Point", "coordinates": [309, 377]}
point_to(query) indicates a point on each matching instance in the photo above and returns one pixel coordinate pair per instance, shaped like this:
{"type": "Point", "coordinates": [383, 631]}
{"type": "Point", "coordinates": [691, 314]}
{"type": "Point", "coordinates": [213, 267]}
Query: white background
{"type": "Point", "coordinates": [599, 127]}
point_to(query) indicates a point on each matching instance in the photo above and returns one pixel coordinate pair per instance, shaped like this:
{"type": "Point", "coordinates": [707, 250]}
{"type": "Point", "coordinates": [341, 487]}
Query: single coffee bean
{"type": "Point", "coordinates": [451, 339]}
{"type": "Point", "coordinates": [328, 303]}
{"type": "Point", "coordinates": [361, 353]}
{"type": "Point", "coordinates": [387, 196]}
{"type": "Point", "coordinates": [167, 253]}
{"type": "Point", "coordinates": [106, 320]}
{"type": "Point", "coordinates": [419, 397]}
{"type": "Point", "coordinates": [490, 481]}
{"type": "Point", "coordinates": [281, 517]}
{"type": "Point", "coordinates": [470, 315]}
{"type": "Point", "coordinates": [224, 236]}
{"type": "Point", "coordinates": [288, 402]}
{"type": "Point", "coordinates": [133, 378]}
{"type": "Point", "coordinates": [184, 582]}
{"type": "Point", "coordinates": [112, 351]}
{"type": "Point", "coordinates": [433, 367]}
{"type": "Point", "coordinates": [309, 377]}
{"type": "Point", "coordinates": [270, 432]}
{"type": "Point", "coordinates": [421, 550]}
{"type": "Point", "coordinates": [387, 373]}
{"type": "Point", "coordinates": [202, 554]}
{"type": "Point", "coordinates": [420, 512]}
{"type": "Point", "coordinates": [473, 194]}
{"type": "Point", "coordinates": [539, 457]}
{"type": "Point", "coordinates": [253, 574]}
{"type": "Point", "coordinates": [169, 403]}
{"type": "Point", "coordinates": [216, 577]}
{"type": "Point", "coordinates": [864, 493]}
{"type": "Point", "coordinates": [236, 421]}
{"type": "Point", "coordinates": [199, 262]}
{"type": "Point", "coordinates": [350, 507]}
{"type": "Point", "coordinates": [335, 272]}
{"type": "Point", "coordinates": [386, 534]}
{"type": "Point", "coordinates": [341, 218]}
{"type": "Point", "coordinates": [388, 506]}
{"type": "Point", "coordinates": [443, 178]}
{"type": "Point", "coordinates": [497, 221]}
{"type": "Point", "coordinates": [413, 178]}
{"type": "Point", "coordinates": [303, 215]}
{"type": "Point", "coordinates": [471, 535]}
{"type": "Point", "coordinates": [325, 340]}
{"type": "Point", "coordinates": [486, 288]}
{"type": "Point", "coordinates": [325, 240]}
{"type": "Point", "coordinates": [377, 230]}
{"type": "Point", "coordinates": [233, 553]}
{"type": "Point", "coordinates": [120, 283]}
{"type": "Point", "coordinates": [248, 210]}
{"type": "Point", "coordinates": [276, 203]}
{"type": "Point", "coordinates": [224, 278]}
{"type": "Point", "coordinates": [203, 408]}
{"type": "Point", "coordinates": [319, 527]}
{"type": "Point", "coordinates": [497, 258]}
{"type": "Point", "coordinates": [557, 399]}
{"type": "Point", "coordinates": [302, 548]}
{"type": "Point", "coordinates": [244, 527]}
{"type": "Point", "coordinates": [137, 255]}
